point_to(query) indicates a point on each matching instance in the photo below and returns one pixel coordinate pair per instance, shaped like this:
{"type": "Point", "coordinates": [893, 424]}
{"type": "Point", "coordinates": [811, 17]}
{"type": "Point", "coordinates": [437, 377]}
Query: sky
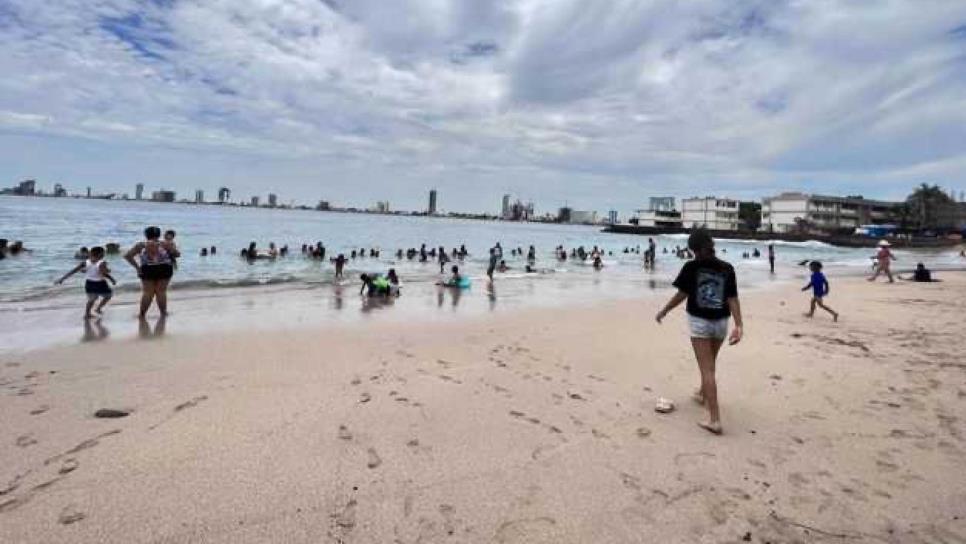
{"type": "Point", "coordinates": [595, 104]}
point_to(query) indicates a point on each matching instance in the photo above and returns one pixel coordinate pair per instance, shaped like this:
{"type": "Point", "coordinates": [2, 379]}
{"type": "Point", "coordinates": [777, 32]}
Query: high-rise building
{"type": "Point", "coordinates": [255, 201]}
{"type": "Point", "coordinates": [59, 190]}
{"type": "Point", "coordinates": [505, 212]}
{"type": "Point", "coordinates": [224, 194]}
{"type": "Point", "coordinates": [27, 188]}
{"type": "Point", "coordinates": [88, 192]}
{"type": "Point", "coordinates": [139, 191]}
{"type": "Point", "coordinates": [272, 200]}
{"type": "Point", "coordinates": [612, 217]}
{"type": "Point", "coordinates": [520, 212]}
{"type": "Point", "coordinates": [432, 202]}
{"type": "Point", "coordinates": [199, 196]}
{"type": "Point", "coordinates": [323, 205]}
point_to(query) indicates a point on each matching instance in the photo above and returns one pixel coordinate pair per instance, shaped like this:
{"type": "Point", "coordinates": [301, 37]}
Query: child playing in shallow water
{"type": "Point", "coordinates": [97, 274]}
{"type": "Point", "coordinates": [819, 286]}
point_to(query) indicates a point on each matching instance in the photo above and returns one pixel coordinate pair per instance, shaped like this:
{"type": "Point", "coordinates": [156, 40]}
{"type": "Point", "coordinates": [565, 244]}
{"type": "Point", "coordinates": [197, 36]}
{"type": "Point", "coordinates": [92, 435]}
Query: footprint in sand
{"type": "Point", "coordinates": [364, 398]}
{"type": "Point", "coordinates": [531, 531]}
{"type": "Point", "coordinates": [191, 403]}
{"type": "Point", "coordinates": [344, 433]}
{"type": "Point", "coordinates": [70, 515]}
{"type": "Point", "coordinates": [374, 459]}
{"type": "Point", "coordinates": [345, 519]}
{"type": "Point", "coordinates": [26, 440]}
{"type": "Point", "coordinates": [70, 465]}
{"type": "Point", "coordinates": [39, 410]}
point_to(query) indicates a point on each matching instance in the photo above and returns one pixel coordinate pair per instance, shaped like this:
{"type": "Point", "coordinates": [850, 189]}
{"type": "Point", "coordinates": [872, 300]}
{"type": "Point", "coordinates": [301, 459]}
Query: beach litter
{"type": "Point", "coordinates": [664, 406]}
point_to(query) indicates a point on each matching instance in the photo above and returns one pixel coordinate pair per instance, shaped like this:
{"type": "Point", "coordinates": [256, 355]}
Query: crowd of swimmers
{"type": "Point", "coordinates": [156, 258]}
{"type": "Point", "coordinates": [11, 250]}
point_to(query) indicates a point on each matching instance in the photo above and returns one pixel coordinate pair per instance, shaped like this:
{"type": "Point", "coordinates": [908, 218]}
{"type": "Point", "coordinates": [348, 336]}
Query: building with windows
{"type": "Point", "coordinates": [254, 201]}
{"type": "Point", "coordinates": [791, 212]}
{"type": "Point", "coordinates": [519, 211]}
{"type": "Point", "coordinates": [431, 210]}
{"type": "Point", "coordinates": [139, 191]}
{"type": "Point", "coordinates": [710, 212]}
{"type": "Point", "coordinates": [224, 195]}
{"type": "Point", "coordinates": [59, 190]}
{"type": "Point", "coordinates": [272, 200]}
{"type": "Point", "coordinates": [661, 212]}
{"type": "Point", "coordinates": [163, 196]}
{"type": "Point", "coordinates": [505, 210]}
{"type": "Point", "coordinates": [199, 197]}
{"type": "Point", "coordinates": [612, 217]}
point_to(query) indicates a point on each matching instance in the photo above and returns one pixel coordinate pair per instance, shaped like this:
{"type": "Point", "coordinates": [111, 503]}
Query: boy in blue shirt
{"type": "Point", "coordinates": [820, 289]}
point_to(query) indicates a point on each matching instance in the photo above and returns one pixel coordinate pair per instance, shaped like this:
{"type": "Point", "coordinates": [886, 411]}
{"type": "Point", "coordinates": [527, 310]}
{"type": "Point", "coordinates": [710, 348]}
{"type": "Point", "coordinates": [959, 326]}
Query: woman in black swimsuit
{"type": "Point", "coordinates": [155, 267]}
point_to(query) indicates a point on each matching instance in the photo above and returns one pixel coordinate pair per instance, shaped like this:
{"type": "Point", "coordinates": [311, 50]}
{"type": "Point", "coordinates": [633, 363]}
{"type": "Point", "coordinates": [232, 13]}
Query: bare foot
{"type": "Point", "coordinates": [714, 428]}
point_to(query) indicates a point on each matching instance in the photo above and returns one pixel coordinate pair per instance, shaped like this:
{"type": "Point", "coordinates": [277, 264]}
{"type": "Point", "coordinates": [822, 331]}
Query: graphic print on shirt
{"type": "Point", "coordinates": [710, 290]}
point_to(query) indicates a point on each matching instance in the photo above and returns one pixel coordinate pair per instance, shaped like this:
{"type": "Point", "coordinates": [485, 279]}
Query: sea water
{"type": "Point", "coordinates": [226, 291]}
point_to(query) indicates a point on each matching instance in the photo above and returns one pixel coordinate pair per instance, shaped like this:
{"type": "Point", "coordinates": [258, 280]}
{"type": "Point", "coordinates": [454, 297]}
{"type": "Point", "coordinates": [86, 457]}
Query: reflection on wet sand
{"type": "Point", "coordinates": [374, 303]}
{"type": "Point", "coordinates": [146, 332]}
{"type": "Point", "coordinates": [94, 331]}
{"type": "Point", "coordinates": [337, 301]}
{"type": "Point", "coordinates": [455, 293]}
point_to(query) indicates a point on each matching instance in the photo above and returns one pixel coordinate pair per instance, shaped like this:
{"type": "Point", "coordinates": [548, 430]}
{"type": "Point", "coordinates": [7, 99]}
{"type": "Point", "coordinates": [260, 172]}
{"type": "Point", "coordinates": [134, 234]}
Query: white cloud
{"type": "Point", "coordinates": [558, 99]}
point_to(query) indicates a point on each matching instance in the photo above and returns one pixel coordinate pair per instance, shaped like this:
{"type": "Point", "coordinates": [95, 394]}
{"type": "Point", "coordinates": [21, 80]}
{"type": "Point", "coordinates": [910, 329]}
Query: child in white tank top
{"type": "Point", "coordinates": [96, 274]}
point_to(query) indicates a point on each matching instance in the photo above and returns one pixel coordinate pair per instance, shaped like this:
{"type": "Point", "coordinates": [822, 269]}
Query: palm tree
{"type": "Point", "coordinates": [928, 207]}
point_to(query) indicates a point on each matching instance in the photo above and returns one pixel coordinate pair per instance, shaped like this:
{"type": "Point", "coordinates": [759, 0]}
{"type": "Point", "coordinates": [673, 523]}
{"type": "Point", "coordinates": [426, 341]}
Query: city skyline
{"type": "Point", "coordinates": [363, 101]}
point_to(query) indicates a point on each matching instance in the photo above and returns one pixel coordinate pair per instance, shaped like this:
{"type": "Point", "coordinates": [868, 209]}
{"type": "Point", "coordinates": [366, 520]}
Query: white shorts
{"type": "Point", "coordinates": [708, 328]}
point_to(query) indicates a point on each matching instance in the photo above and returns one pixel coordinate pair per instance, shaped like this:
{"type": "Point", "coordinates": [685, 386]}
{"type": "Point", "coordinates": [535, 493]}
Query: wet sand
{"type": "Point", "coordinates": [534, 426]}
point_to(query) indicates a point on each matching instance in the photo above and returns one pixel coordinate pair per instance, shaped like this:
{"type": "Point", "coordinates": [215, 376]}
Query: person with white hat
{"type": "Point", "coordinates": [884, 258]}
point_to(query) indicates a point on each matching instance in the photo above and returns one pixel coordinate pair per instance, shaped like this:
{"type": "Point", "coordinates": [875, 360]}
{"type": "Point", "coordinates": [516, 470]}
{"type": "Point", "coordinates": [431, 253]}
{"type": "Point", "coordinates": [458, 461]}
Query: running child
{"type": "Point", "coordinates": [97, 273]}
{"type": "Point", "coordinates": [819, 285]}
{"type": "Point", "coordinates": [711, 289]}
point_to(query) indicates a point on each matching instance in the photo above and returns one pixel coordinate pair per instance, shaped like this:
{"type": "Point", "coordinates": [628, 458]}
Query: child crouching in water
{"type": "Point", "coordinates": [97, 273]}
{"type": "Point", "coordinates": [711, 289]}
{"type": "Point", "coordinates": [819, 285]}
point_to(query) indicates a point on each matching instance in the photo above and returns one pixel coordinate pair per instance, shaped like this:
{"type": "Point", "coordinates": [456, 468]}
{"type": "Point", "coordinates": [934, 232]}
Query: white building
{"type": "Point", "coordinates": [661, 212]}
{"type": "Point", "coordinates": [710, 212]}
{"type": "Point", "coordinates": [792, 211]}
{"type": "Point", "coordinates": [505, 210]}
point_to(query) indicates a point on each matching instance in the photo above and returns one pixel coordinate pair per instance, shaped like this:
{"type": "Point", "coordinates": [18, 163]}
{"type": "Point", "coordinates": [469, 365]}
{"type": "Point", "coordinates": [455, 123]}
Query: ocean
{"type": "Point", "coordinates": [301, 290]}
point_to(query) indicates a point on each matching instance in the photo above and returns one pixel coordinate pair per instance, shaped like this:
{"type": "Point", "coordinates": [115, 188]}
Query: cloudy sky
{"type": "Point", "coordinates": [597, 103]}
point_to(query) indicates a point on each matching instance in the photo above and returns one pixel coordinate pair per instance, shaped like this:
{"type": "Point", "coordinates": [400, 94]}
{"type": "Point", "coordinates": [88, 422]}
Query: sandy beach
{"type": "Point", "coordinates": [530, 426]}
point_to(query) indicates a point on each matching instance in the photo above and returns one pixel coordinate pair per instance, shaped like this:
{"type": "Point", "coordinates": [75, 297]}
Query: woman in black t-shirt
{"type": "Point", "coordinates": [711, 290]}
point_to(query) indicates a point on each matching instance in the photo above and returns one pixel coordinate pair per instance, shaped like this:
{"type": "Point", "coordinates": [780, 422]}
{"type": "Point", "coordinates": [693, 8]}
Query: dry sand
{"type": "Point", "coordinates": [535, 427]}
